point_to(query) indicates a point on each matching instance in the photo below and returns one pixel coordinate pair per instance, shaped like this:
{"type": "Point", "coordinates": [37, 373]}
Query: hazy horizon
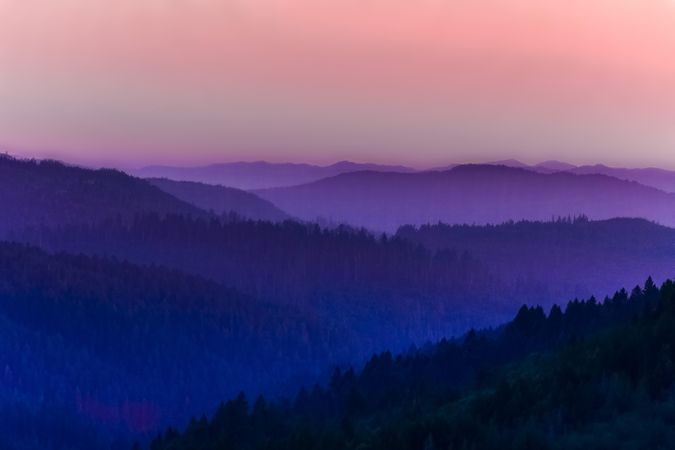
{"type": "Point", "coordinates": [67, 158]}
{"type": "Point", "coordinates": [415, 83]}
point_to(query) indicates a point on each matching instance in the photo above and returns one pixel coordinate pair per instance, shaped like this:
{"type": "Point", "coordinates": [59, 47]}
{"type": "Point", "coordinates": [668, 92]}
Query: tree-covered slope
{"type": "Point", "coordinates": [566, 257]}
{"type": "Point", "coordinates": [122, 348]}
{"type": "Point", "coordinates": [606, 382]}
{"type": "Point", "coordinates": [386, 292]}
{"type": "Point", "coordinates": [49, 193]}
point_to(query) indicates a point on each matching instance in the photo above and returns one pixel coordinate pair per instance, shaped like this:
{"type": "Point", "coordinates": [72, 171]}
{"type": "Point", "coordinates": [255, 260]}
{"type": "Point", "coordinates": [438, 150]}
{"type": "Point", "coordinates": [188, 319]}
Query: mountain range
{"type": "Point", "coordinates": [263, 175]}
{"type": "Point", "coordinates": [469, 194]}
{"type": "Point", "coordinates": [259, 174]}
{"type": "Point", "coordinates": [657, 178]}
{"type": "Point", "coordinates": [50, 193]}
{"type": "Point", "coordinates": [216, 289]}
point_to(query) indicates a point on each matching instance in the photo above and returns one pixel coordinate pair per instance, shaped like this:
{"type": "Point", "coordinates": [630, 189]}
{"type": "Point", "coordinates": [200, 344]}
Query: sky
{"type": "Point", "coordinates": [416, 82]}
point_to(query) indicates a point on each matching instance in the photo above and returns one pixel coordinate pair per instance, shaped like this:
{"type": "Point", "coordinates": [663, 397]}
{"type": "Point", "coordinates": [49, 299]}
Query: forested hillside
{"type": "Point", "coordinates": [500, 266]}
{"type": "Point", "coordinates": [49, 193]}
{"type": "Point", "coordinates": [565, 257]}
{"type": "Point", "coordinates": [598, 376]}
{"type": "Point", "coordinates": [94, 344]}
{"type": "Point", "coordinates": [386, 291]}
{"type": "Point", "coordinates": [159, 309]}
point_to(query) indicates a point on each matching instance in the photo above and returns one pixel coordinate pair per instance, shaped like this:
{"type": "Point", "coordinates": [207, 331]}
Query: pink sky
{"type": "Point", "coordinates": [419, 82]}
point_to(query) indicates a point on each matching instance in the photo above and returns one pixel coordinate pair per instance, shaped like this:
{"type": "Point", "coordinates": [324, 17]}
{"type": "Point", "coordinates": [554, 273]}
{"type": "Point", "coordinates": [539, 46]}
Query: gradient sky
{"type": "Point", "coordinates": [419, 82]}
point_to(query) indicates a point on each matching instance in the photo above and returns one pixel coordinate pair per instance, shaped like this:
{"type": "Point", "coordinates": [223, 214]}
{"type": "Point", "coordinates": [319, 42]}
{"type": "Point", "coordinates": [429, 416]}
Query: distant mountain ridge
{"type": "Point", "coordinates": [49, 192]}
{"type": "Point", "coordinates": [658, 178]}
{"type": "Point", "coordinates": [650, 176]}
{"type": "Point", "coordinates": [467, 194]}
{"type": "Point", "coordinates": [553, 165]}
{"type": "Point", "coordinates": [259, 174]}
{"type": "Point", "coordinates": [265, 175]}
{"type": "Point", "coordinates": [221, 200]}
{"type": "Point", "coordinates": [654, 177]}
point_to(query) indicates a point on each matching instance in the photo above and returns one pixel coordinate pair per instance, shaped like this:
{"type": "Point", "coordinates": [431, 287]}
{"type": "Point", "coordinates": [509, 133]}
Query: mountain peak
{"type": "Point", "coordinates": [553, 164]}
{"type": "Point", "coordinates": [345, 164]}
{"type": "Point", "coordinates": [509, 163]}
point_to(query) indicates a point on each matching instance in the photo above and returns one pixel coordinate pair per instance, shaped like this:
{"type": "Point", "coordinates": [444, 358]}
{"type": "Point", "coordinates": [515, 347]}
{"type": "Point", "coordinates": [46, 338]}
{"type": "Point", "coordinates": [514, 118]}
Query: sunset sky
{"type": "Point", "coordinates": [418, 82]}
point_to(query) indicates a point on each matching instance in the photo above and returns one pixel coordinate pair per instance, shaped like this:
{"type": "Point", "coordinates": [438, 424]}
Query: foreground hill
{"type": "Point", "coordinates": [260, 174]}
{"type": "Point", "coordinates": [52, 193]}
{"type": "Point", "coordinates": [565, 257]}
{"type": "Point", "coordinates": [601, 377]}
{"type": "Point", "coordinates": [92, 348]}
{"type": "Point", "coordinates": [221, 200]}
{"type": "Point", "coordinates": [470, 194]}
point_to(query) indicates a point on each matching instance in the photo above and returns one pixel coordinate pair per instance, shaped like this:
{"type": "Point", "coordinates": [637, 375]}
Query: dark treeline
{"type": "Point", "coordinates": [289, 259]}
{"type": "Point", "coordinates": [381, 287]}
{"type": "Point", "coordinates": [89, 340]}
{"type": "Point", "coordinates": [566, 257]}
{"type": "Point", "coordinates": [598, 375]}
